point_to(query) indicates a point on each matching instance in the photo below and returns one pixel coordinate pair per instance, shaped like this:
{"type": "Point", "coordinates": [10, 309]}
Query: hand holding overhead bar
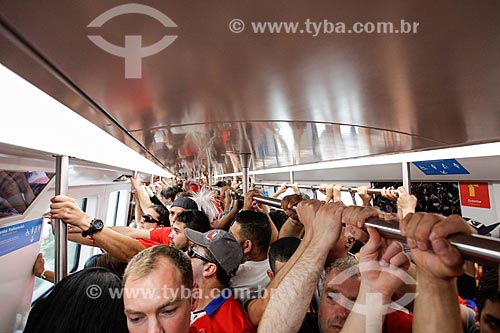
{"type": "Point", "coordinates": [472, 247]}
{"type": "Point", "coordinates": [322, 188]}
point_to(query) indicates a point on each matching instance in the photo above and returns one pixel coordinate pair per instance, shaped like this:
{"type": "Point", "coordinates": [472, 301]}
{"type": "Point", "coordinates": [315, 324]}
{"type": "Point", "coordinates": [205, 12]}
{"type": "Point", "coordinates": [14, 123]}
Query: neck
{"type": "Point", "coordinates": [208, 291]}
{"type": "Point", "coordinates": [255, 256]}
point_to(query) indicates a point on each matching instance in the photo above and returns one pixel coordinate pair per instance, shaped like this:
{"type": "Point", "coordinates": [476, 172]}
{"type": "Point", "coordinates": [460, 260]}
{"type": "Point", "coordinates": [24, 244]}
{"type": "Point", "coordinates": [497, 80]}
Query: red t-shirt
{"type": "Point", "coordinates": [158, 236]}
{"type": "Point", "coordinates": [224, 314]}
{"type": "Point", "coordinates": [397, 322]}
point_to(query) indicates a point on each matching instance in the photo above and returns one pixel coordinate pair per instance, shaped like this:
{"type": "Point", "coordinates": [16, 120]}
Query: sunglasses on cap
{"type": "Point", "coordinates": [149, 219]}
{"type": "Point", "coordinates": [193, 254]}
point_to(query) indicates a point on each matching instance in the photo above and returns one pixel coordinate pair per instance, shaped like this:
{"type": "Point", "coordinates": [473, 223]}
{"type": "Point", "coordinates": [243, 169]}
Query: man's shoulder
{"type": "Point", "coordinates": [226, 316]}
{"type": "Point", "coordinates": [158, 236]}
{"type": "Point", "coordinates": [163, 231]}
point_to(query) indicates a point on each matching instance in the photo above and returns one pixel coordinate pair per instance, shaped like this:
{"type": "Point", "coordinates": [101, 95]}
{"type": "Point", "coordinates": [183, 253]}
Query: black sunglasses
{"type": "Point", "coordinates": [193, 254]}
{"type": "Point", "coordinates": [149, 219]}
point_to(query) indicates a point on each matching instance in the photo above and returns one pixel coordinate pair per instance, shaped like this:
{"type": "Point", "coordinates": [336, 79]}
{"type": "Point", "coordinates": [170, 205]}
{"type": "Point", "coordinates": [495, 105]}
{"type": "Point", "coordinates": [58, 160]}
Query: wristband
{"type": "Point", "coordinates": [43, 276]}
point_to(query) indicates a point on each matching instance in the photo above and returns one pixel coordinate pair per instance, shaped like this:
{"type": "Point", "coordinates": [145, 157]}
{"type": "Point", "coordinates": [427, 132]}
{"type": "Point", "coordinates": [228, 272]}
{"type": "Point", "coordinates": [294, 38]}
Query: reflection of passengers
{"type": "Point", "coordinates": [15, 193]}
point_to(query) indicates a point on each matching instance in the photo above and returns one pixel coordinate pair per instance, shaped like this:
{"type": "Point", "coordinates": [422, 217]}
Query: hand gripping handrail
{"type": "Point", "coordinates": [477, 248]}
{"type": "Point", "coordinates": [316, 188]}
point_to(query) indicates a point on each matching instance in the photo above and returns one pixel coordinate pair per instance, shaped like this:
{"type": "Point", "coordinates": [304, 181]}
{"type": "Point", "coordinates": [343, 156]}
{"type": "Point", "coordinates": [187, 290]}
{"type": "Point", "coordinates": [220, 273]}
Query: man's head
{"type": "Point", "coordinates": [253, 232]}
{"type": "Point", "coordinates": [280, 252]}
{"type": "Point", "coordinates": [179, 205]}
{"type": "Point", "coordinates": [169, 194]}
{"type": "Point", "coordinates": [154, 216]}
{"type": "Point", "coordinates": [149, 219]}
{"type": "Point", "coordinates": [158, 283]}
{"type": "Point", "coordinates": [488, 302]}
{"type": "Point", "coordinates": [216, 254]}
{"type": "Point", "coordinates": [336, 293]}
{"type": "Point", "coordinates": [192, 219]}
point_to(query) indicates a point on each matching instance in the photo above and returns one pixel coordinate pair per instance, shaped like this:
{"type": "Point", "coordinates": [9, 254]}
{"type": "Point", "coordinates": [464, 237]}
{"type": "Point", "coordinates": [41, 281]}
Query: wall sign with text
{"type": "Point", "coordinates": [474, 194]}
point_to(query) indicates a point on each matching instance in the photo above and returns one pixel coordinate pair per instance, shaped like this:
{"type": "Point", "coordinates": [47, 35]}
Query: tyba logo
{"type": "Point", "coordinates": [133, 52]}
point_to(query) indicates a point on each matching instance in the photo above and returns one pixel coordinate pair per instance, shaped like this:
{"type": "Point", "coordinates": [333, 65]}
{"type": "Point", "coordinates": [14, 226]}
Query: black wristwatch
{"type": "Point", "coordinates": [95, 226]}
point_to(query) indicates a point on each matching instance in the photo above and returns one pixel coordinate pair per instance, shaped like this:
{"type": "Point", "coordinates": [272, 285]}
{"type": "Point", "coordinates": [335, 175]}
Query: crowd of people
{"type": "Point", "coordinates": [207, 261]}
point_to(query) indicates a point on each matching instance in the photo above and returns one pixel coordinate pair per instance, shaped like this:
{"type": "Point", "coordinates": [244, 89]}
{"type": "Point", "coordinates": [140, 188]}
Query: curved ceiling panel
{"type": "Point", "coordinates": [272, 144]}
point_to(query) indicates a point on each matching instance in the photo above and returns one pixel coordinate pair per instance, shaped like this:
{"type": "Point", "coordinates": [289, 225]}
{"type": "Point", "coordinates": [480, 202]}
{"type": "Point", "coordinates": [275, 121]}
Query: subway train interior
{"type": "Point", "coordinates": [359, 93]}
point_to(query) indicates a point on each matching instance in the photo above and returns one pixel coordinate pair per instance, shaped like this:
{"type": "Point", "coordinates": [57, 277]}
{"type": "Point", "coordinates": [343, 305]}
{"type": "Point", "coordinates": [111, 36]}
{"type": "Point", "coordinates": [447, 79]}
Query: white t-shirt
{"type": "Point", "coordinates": [250, 280]}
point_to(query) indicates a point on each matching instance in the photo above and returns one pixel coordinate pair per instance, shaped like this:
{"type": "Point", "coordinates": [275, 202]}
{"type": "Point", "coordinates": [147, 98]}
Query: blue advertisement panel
{"type": "Point", "coordinates": [441, 167]}
{"type": "Point", "coordinates": [20, 235]}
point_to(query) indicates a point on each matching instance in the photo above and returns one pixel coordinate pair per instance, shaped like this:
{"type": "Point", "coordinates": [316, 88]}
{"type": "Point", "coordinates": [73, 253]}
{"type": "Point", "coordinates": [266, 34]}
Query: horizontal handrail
{"type": "Point", "coordinates": [316, 188]}
{"type": "Point", "coordinates": [477, 248]}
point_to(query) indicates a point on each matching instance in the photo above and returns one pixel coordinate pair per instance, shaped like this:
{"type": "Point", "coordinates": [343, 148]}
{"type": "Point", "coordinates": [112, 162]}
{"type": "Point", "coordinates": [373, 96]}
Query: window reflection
{"type": "Point", "coordinates": [19, 189]}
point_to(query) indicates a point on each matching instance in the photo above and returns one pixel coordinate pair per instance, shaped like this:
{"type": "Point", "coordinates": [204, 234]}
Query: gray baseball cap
{"type": "Point", "coordinates": [185, 202]}
{"type": "Point", "coordinates": [221, 244]}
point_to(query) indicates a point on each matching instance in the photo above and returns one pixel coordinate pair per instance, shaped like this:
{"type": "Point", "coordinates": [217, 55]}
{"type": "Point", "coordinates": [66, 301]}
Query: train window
{"type": "Point", "coordinates": [19, 189]}
{"type": "Point", "coordinates": [117, 208]}
{"type": "Point", "coordinates": [113, 205]}
{"type": "Point", "coordinates": [48, 250]}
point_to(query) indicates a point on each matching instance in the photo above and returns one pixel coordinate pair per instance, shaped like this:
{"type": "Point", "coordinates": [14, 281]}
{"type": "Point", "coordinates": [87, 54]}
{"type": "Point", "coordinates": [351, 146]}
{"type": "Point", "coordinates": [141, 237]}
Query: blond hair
{"type": "Point", "coordinates": [143, 263]}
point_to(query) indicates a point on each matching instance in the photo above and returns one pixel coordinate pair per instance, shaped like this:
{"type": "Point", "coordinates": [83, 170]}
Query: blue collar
{"type": "Point", "coordinates": [217, 302]}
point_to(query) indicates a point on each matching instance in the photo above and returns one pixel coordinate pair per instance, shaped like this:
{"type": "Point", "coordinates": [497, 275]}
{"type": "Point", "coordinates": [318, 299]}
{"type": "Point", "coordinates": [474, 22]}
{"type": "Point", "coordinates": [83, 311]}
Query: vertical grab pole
{"type": "Point", "coordinates": [61, 229]}
{"type": "Point", "coordinates": [406, 176]}
{"type": "Point", "coordinates": [245, 166]}
{"type": "Point", "coordinates": [210, 170]}
{"type": "Point", "coordinates": [292, 177]}
{"type": "Point", "coordinates": [315, 193]}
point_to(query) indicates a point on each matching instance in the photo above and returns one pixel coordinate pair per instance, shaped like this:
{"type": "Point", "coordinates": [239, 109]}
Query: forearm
{"type": "Point", "coordinates": [274, 230]}
{"type": "Point", "coordinates": [256, 308]}
{"type": "Point", "coordinates": [143, 198]}
{"type": "Point", "coordinates": [225, 221]}
{"type": "Point", "coordinates": [291, 228]}
{"type": "Point", "coordinates": [366, 202]}
{"type": "Point", "coordinates": [47, 276]}
{"type": "Point", "coordinates": [50, 276]}
{"type": "Point", "coordinates": [290, 301]}
{"type": "Point", "coordinates": [368, 312]}
{"type": "Point", "coordinates": [132, 232]}
{"type": "Point", "coordinates": [407, 288]}
{"type": "Point", "coordinates": [436, 306]}
{"type": "Point", "coordinates": [119, 246]}
{"type": "Point", "coordinates": [278, 193]}
{"type": "Point", "coordinates": [78, 238]}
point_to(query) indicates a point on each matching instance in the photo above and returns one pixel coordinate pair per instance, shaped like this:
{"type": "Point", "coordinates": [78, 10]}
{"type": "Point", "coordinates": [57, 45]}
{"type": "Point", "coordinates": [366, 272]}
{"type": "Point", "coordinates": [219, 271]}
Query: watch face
{"type": "Point", "coordinates": [98, 224]}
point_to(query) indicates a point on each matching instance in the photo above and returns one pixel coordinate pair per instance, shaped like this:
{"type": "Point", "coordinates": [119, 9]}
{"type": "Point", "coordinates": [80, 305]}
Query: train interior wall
{"type": "Point", "coordinates": [17, 281]}
{"type": "Point", "coordinates": [482, 171]}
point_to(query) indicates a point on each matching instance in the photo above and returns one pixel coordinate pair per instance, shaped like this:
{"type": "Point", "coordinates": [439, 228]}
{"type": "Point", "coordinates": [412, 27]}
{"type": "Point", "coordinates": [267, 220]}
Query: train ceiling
{"type": "Point", "coordinates": [208, 92]}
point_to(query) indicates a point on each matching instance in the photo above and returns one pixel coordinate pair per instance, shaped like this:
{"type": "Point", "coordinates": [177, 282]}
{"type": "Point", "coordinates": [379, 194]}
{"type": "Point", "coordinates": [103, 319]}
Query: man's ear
{"type": "Point", "coordinates": [247, 246]}
{"type": "Point", "coordinates": [270, 274]}
{"type": "Point", "coordinates": [209, 269]}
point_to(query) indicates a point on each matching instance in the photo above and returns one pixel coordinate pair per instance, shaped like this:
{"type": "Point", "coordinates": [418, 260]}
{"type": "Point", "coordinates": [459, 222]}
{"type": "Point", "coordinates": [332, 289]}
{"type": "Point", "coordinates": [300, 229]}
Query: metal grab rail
{"type": "Point", "coordinates": [61, 228]}
{"type": "Point", "coordinates": [316, 188]}
{"type": "Point", "coordinates": [472, 247]}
